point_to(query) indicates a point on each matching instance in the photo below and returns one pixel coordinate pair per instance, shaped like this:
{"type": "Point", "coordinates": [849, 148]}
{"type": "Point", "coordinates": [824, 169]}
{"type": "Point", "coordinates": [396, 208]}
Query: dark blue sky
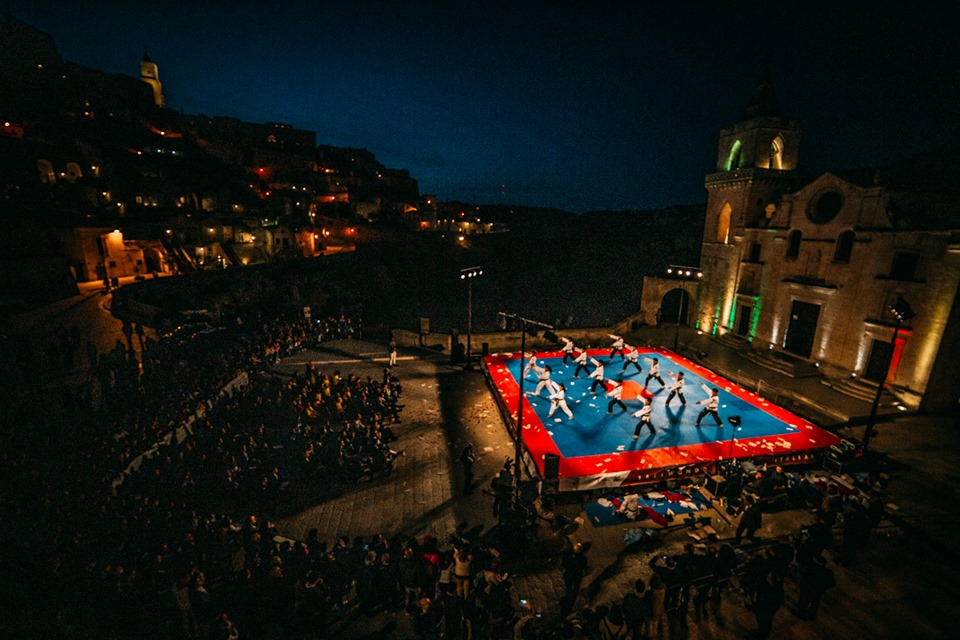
{"type": "Point", "coordinates": [578, 106]}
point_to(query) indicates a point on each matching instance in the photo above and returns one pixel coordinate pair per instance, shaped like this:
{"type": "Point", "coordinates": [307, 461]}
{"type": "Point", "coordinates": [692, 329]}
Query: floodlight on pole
{"type": "Point", "coordinates": [469, 274]}
{"type": "Point", "coordinates": [902, 312]}
{"type": "Point", "coordinates": [532, 326]}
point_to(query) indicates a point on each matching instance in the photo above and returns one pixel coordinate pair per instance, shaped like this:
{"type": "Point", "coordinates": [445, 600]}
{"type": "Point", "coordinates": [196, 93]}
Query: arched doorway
{"type": "Point", "coordinates": [675, 304]}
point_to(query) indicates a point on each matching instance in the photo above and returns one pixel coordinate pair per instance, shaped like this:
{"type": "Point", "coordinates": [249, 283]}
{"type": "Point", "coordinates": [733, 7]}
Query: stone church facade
{"type": "Point", "coordinates": [809, 270]}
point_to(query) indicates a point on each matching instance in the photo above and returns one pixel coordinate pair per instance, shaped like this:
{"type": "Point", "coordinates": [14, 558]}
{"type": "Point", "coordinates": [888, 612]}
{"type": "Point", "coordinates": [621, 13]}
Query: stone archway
{"type": "Point", "coordinates": [674, 307]}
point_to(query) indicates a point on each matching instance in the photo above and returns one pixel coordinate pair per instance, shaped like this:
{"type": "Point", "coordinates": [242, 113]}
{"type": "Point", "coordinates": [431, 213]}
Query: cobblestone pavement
{"type": "Point", "coordinates": [899, 587]}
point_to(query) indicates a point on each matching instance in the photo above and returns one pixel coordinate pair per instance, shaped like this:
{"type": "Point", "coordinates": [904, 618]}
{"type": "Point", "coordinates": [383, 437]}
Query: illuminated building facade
{"type": "Point", "coordinates": [805, 269]}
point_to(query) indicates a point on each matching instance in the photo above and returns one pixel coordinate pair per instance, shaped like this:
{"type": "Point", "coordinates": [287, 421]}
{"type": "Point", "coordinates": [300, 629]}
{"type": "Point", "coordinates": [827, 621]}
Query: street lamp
{"type": "Point", "coordinates": [683, 272]}
{"type": "Point", "coordinates": [469, 274]}
{"type": "Point", "coordinates": [532, 326]}
{"type": "Point", "coordinates": [902, 312]}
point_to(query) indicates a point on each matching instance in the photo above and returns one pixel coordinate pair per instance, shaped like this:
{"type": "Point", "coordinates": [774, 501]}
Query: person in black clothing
{"type": "Point", "coordinates": [783, 553]}
{"type": "Point", "coordinates": [467, 459]}
{"type": "Point", "coordinates": [502, 485]}
{"type": "Point", "coordinates": [755, 573]}
{"type": "Point", "coordinates": [574, 563]}
{"type": "Point", "coordinates": [856, 529]}
{"type": "Point", "coordinates": [637, 609]}
{"type": "Point", "coordinates": [705, 582]}
{"type": "Point", "coordinates": [750, 521]}
{"type": "Point", "coordinates": [815, 578]}
{"type": "Point", "coordinates": [666, 568]}
{"type": "Point", "coordinates": [426, 620]}
{"type": "Point", "coordinates": [768, 602]}
{"type": "Point", "coordinates": [815, 539]}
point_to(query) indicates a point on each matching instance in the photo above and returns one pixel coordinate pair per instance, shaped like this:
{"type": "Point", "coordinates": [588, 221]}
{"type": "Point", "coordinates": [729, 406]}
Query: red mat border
{"type": "Point", "coordinates": [634, 467]}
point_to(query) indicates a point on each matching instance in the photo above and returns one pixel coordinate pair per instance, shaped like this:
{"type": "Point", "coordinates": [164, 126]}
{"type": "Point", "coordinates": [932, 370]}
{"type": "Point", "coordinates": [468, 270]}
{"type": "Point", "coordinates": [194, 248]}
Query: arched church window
{"type": "Point", "coordinates": [733, 160]}
{"type": "Point", "coordinates": [793, 243]}
{"type": "Point", "coordinates": [723, 223]}
{"type": "Point", "coordinates": [776, 153]}
{"type": "Point", "coordinates": [844, 247]}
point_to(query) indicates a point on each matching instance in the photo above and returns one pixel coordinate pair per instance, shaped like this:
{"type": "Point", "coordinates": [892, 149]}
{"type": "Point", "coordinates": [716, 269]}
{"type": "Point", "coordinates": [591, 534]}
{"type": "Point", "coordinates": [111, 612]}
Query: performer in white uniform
{"type": "Point", "coordinates": [676, 389]}
{"type": "Point", "coordinates": [531, 364]}
{"type": "Point", "coordinates": [559, 400]}
{"type": "Point", "coordinates": [617, 346]}
{"type": "Point", "coordinates": [654, 372]}
{"type": "Point", "coordinates": [616, 396]}
{"type": "Point", "coordinates": [596, 374]}
{"type": "Point", "coordinates": [543, 374]}
{"type": "Point", "coordinates": [644, 415]}
{"type": "Point", "coordinates": [581, 361]}
{"type": "Point", "coordinates": [567, 349]}
{"type": "Point", "coordinates": [633, 357]}
{"type": "Point", "coordinates": [711, 405]}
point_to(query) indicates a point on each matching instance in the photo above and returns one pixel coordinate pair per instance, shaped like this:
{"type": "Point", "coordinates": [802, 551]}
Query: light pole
{"type": "Point", "coordinates": [735, 422]}
{"type": "Point", "coordinates": [534, 326]}
{"type": "Point", "coordinates": [469, 274]}
{"type": "Point", "coordinates": [902, 312]}
{"type": "Point", "coordinates": [683, 272]}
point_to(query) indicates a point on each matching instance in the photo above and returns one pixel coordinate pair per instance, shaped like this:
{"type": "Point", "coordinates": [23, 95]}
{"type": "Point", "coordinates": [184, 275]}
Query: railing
{"type": "Point", "coordinates": [759, 386]}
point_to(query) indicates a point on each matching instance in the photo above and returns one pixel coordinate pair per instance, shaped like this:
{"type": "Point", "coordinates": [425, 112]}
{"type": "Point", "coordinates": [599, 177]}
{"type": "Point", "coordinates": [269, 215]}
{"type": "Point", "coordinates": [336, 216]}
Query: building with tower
{"type": "Point", "coordinates": [150, 75]}
{"type": "Point", "coordinates": [801, 272]}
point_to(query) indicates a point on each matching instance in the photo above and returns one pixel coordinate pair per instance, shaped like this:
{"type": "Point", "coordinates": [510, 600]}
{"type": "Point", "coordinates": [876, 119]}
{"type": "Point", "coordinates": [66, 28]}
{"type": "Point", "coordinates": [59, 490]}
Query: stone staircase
{"type": "Point", "coordinates": [860, 389]}
{"type": "Point", "coordinates": [782, 362]}
{"type": "Point", "coordinates": [733, 341]}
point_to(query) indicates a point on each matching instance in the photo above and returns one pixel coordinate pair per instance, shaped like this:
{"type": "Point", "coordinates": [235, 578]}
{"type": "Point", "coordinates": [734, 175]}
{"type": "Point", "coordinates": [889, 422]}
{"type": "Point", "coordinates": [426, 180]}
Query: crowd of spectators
{"type": "Point", "coordinates": [181, 543]}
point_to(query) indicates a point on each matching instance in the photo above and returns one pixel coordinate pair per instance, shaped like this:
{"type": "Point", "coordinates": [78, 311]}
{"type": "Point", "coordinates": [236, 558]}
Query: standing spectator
{"type": "Point", "coordinates": [467, 459]}
{"type": "Point", "coordinates": [502, 486]}
{"type": "Point", "coordinates": [226, 629]}
{"type": "Point", "coordinates": [658, 605]}
{"type": "Point", "coordinates": [613, 626]}
{"type": "Point", "coordinates": [768, 602]}
{"type": "Point", "coordinates": [181, 596]}
{"type": "Point", "coordinates": [393, 352]}
{"type": "Point", "coordinates": [426, 621]}
{"type": "Point", "coordinates": [637, 609]}
{"type": "Point", "coordinates": [463, 569]}
{"type": "Point", "coordinates": [574, 563]}
{"type": "Point", "coordinates": [750, 521]}
{"type": "Point", "coordinates": [856, 530]}
{"type": "Point", "coordinates": [815, 578]}
{"type": "Point", "coordinates": [408, 571]}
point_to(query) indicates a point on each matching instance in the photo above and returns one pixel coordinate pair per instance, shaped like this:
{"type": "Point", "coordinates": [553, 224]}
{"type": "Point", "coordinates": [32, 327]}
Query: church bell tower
{"type": "Point", "coordinates": [756, 164]}
{"type": "Point", "coordinates": [150, 75]}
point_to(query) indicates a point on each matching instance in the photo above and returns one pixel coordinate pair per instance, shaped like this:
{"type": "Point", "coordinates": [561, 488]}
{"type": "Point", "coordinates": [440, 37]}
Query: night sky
{"type": "Point", "coordinates": [579, 106]}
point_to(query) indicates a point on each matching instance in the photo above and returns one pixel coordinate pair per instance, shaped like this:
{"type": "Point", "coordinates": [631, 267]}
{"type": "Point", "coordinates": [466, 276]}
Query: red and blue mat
{"type": "Point", "coordinates": [597, 449]}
